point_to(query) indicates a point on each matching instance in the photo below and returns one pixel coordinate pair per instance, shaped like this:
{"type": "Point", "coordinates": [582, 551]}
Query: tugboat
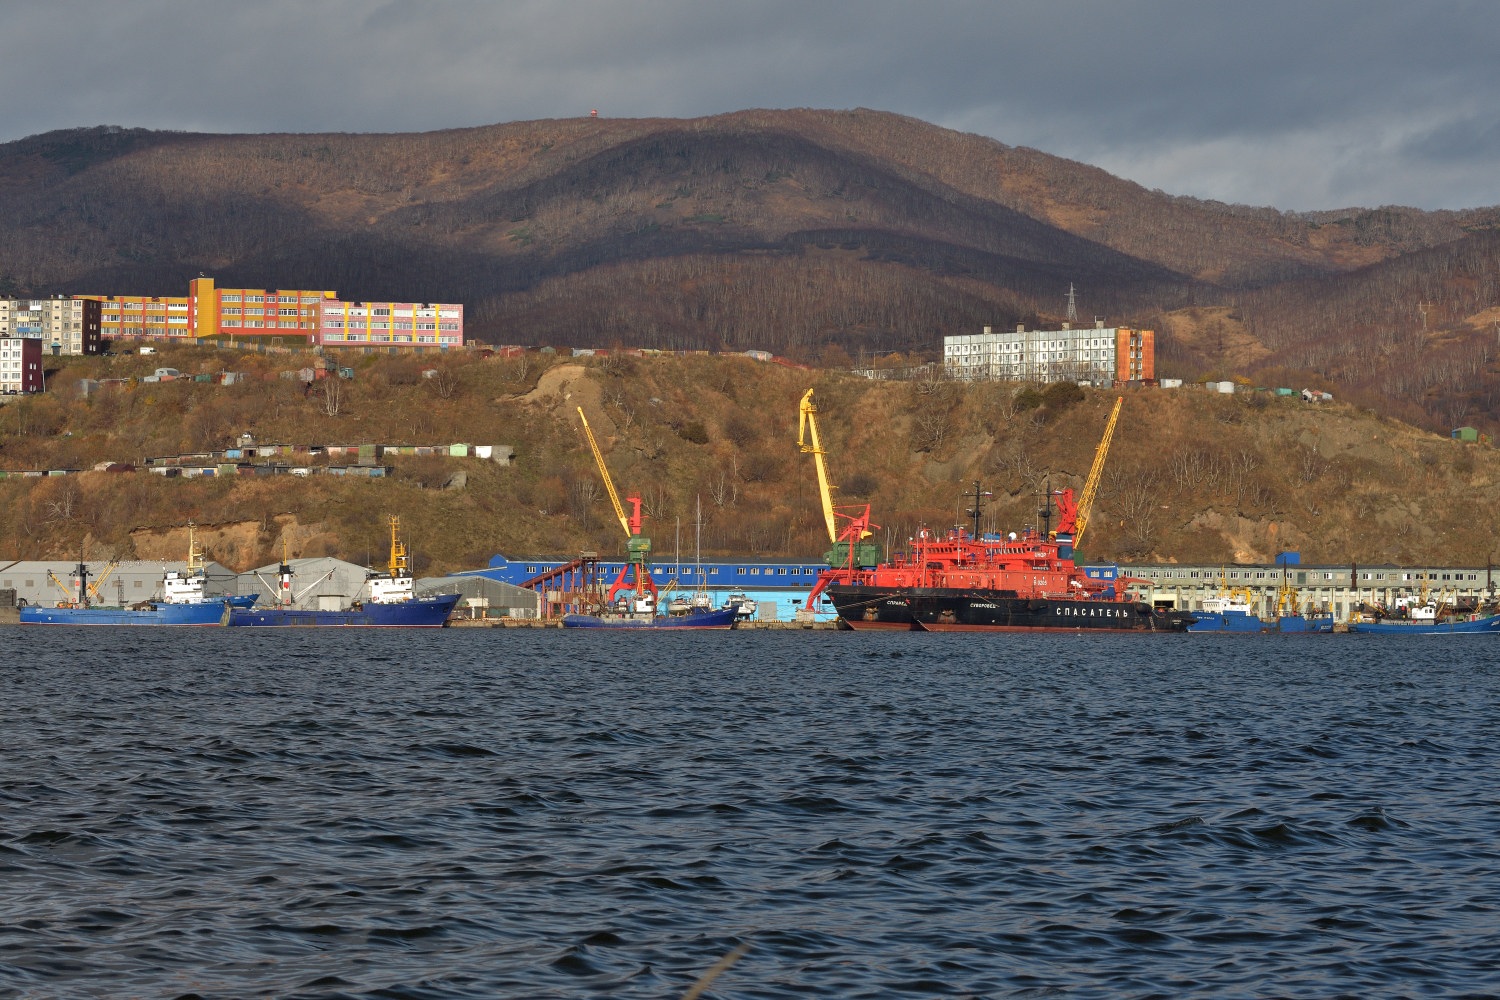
{"type": "Point", "coordinates": [965, 582]}
{"type": "Point", "coordinates": [393, 602]}
{"type": "Point", "coordinates": [183, 601]}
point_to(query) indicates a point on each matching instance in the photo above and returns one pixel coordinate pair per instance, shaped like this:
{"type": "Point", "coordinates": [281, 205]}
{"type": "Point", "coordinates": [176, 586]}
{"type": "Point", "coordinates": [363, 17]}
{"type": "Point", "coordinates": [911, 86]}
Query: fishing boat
{"type": "Point", "coordinates": [1231, 611]}
{"type": "Point", "coordinates": [643, 615]}
{"type": "Point", "coordinates": [965, 581]}
{"type": "Point", "coordinates": [183, 601]}
{"type": "Point", "coordinates": [392, 601]}
{"type": "Point", "coordinates": [1424, 616]}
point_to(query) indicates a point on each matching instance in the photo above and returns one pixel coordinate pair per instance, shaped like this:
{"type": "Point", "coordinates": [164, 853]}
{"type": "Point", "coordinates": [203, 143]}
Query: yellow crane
{"type": "Point", "coordinates": [99, 582]}
{"type": "Point", "coordinates": [807, 441]}
{"type": "Point", "coordinates": [851, 542]}
{"type": "Point", "coordinates": [1091, 485]}
{"type": "Point", "coordinates": [637, 547]}
{"type": "Point", "coordinates": [609, 485]}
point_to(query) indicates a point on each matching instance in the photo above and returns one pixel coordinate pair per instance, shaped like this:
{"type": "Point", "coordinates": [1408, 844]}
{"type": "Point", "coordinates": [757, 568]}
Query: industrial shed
{"type": "Point", "coordinates": [481, 597]}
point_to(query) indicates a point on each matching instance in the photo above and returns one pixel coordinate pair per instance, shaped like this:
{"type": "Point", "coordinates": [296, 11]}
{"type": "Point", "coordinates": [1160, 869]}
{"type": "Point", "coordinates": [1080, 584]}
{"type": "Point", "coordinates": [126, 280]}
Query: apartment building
{"type": "Point", "coordinates": [61, 324]}
{"type": "Point", "coordinates": [227, 316]}
{"type": "Point", "coordinates": [1096, 354]}
{"type": "Point", "coordinates": [390, 324]}
{"type": "Point", "coordinates": [21, 365]}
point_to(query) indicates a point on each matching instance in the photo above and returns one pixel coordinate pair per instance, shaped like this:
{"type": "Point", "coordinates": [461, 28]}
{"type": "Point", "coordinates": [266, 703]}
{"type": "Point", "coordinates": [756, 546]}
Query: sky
{"type": "Point", "coordinates": [1305, 105]}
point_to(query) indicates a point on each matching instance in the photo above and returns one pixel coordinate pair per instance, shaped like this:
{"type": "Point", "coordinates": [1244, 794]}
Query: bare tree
{"type": "Point", "coordinates": [444, 382]}
{"type": "Point", "coordinates": [63, 504]}
{"type": "Point", "coordinates": [929, 427]}
{"type": "Point", "coordinates": [333, 396]}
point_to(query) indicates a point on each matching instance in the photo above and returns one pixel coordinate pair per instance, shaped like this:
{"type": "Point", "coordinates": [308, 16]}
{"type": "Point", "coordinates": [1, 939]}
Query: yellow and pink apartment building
{"type": "Point", "coordinates": [231, 316]}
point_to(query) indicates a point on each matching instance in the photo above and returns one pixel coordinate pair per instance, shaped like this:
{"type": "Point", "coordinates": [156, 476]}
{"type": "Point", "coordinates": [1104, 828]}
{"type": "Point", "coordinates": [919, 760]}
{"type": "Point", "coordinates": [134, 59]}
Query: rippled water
{"type": "Point", "coordinates": [475, 813]}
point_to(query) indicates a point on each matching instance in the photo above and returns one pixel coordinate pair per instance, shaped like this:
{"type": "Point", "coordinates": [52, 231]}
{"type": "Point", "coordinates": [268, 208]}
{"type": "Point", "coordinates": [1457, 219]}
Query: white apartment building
{"type": "Point", "coordinates": [63, 324]}
{"type": "Point", "coordinates": [1096, 354]}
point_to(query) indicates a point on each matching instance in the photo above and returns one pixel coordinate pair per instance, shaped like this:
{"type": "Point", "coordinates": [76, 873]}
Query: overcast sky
{"type": "Point", "coordinates": [1298, 105]}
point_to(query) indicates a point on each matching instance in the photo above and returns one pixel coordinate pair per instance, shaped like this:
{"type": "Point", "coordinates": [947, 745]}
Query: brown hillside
{"type": "Point", "coordinates": [1191, 476]}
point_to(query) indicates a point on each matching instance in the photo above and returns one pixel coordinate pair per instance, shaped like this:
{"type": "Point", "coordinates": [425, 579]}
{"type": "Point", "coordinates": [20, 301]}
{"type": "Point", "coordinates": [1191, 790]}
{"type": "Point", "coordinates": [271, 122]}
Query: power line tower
{"type": "Point", "coordinates": [1424, 308]}
{"type": "Point", "coordinates": [1072, 306]}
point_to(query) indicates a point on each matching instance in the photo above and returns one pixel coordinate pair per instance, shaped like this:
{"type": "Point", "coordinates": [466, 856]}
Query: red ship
{"type": "Point", "coordinates": [967, 582]}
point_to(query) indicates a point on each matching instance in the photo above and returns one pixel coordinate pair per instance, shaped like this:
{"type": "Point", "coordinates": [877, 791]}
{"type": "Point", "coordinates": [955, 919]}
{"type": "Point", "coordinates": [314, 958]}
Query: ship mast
{"type": "Point", "coordinates": [397, 564]}
{"type": "Point", "coordinates": [978, 496]}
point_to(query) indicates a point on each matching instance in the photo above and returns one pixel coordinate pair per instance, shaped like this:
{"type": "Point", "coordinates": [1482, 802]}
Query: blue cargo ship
{"type": "Point", "coordinates": [183, 601]}
{"type": "Point", "coordinates": [392, 603]}
{"type": "Point", "coordinates": [1234, 614]}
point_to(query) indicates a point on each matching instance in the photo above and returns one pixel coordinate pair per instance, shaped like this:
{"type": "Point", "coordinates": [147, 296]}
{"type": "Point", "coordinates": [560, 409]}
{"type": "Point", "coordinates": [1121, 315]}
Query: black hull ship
{"type": "Point", "coordinates": [942, 609]}
{"type": "Point", "coordinates": [965, 581]}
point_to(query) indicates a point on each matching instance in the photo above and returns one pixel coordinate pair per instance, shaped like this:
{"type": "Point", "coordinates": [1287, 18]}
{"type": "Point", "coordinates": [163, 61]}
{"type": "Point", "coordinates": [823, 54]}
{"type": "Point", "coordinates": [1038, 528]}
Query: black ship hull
{"type": "Point", "coordinates": [957, 610]}
{"type": "Point", "coordinates": [873, 608]}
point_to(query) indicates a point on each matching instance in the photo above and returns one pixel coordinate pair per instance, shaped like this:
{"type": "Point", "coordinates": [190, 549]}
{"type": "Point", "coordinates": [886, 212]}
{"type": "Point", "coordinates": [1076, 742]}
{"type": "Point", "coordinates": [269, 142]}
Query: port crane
{"type": "Point", "coordinates": [636, 573]}
{"type": "Point", "coordinates": [1075, 516]}
{"type": "Point", "coordinates": [850, 550]}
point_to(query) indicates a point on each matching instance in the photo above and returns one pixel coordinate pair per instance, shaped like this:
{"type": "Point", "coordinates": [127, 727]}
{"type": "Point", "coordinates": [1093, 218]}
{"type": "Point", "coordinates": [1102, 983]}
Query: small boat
{"type": "Point", "coordinates": [743, 602]}
{"type": "Point", "coordinates": [393, 602]}
{"type": "Point", "coordinates": [183, 601]}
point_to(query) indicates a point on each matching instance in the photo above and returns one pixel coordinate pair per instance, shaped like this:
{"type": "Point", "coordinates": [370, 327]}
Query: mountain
{"type": "Point", "coordinates": [808, 233]}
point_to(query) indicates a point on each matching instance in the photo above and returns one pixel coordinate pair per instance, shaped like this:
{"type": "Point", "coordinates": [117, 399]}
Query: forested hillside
{"type": "Point", "coordinates": [1191, 476]}
{"type": "Point", "coordinates": [789, 231]}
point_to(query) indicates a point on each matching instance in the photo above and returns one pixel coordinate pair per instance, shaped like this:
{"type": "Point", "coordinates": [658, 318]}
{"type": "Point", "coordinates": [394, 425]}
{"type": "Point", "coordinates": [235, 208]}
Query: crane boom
{"type": "Point", "coordinates": [1091, 486]}
{"type": "Point", "coordinates": [807, 440]}
{"type": "Point", "coordinates": [614, 498]}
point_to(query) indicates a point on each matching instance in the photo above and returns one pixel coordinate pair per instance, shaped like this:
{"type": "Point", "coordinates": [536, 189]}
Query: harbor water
{"type": "Point", "coordinates": [548, 813]}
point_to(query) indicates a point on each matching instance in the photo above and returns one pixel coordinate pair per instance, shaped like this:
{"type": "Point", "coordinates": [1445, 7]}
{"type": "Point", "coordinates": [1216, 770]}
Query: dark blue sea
{"type": "Point", "coordinates": [528, 813]}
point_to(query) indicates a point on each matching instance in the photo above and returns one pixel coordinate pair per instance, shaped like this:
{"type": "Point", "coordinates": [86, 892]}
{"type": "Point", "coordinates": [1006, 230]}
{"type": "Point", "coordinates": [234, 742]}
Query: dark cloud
{"type": "Point", "coordinates": [1299, 105]}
